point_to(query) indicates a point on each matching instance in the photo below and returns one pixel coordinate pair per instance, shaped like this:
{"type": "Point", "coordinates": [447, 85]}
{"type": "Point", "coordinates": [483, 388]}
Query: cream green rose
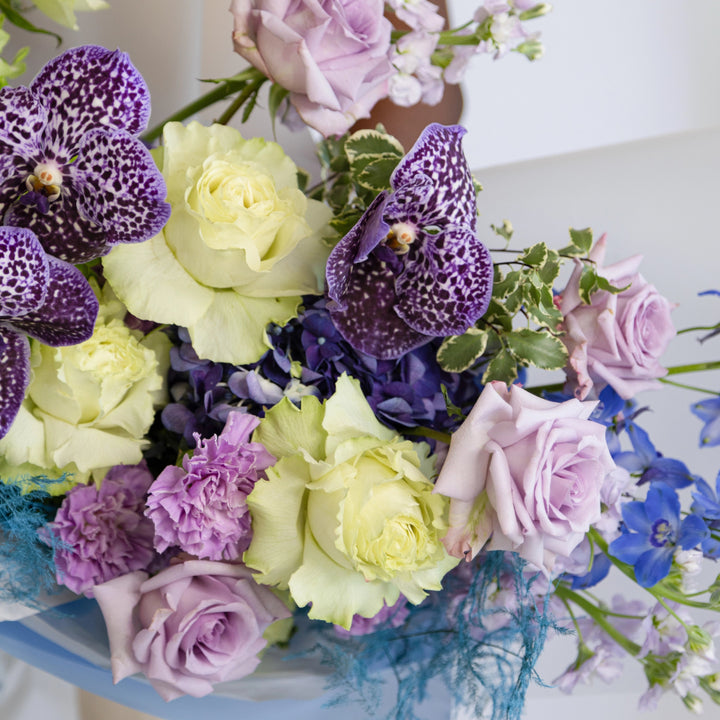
{"type": "Point", "coordinates": [242, 245]}
{"type": "Point", "coordinates": [88, 406]}
{"type": "Point", "coordinates": [347, 520]}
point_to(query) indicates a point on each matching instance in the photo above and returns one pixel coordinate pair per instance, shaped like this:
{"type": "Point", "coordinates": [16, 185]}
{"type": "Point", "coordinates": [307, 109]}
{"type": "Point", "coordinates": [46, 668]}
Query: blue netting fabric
{"type": "Point", "coordinates": [480, 638]}
{"type": "Point", "coordinates": [27, 569]}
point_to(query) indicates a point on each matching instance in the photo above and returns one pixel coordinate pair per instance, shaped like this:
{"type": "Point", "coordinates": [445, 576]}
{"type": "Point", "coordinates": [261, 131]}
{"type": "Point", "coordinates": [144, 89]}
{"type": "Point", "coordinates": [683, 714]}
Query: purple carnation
{"type": "Point", "coordinates": [201, 507]}
{"type": "Point", "coordinates": [100, 533]}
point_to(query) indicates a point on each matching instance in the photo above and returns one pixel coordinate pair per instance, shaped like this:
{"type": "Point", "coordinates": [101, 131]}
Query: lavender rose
{"type": "Point", "coordinates": [190, 626]}
{"type": "Point", "coordinates": [617, 339]}
{"type": "Point", "coordinates": [201, 506]}
{"type": "Point", "coordinates": [100, 533]}
{"type": "Point", "coordinates": [524, 473]}
{"type": "Point", "coordinates": [332, 55]}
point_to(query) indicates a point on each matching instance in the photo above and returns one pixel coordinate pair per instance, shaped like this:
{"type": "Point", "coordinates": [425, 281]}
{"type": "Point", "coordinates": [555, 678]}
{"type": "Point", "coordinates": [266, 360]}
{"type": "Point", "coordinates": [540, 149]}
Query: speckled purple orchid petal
{"type": "Point", "coordinates": [386, 304]}
{"type": "Point", "coordinates": [438, 157]}
{"type": "Point", "coordinates": [24, 272]}
{"type": "Point", "coordinates": [447, 283]}
{"type": "Point", "coordinates": [68, 314]}
{"type": "Point", "coordinates": [61, 230]}
{"type": "Point", "coordinates": [355, 247]}
{"type": "Point", "coordinates": [368, 320]}
{"type": "Point", "coordinates": [89, 87]}
{"type": "Point", "coordinates": [14, 374]}
{"type": "Point", "coordinates": [119, 187]}
{"type": "Point", "coordinates": [23, 121]}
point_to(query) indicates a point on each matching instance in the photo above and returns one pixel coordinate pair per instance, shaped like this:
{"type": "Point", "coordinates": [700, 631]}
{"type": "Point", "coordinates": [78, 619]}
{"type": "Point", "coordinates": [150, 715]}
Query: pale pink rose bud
{"type": "Point", "coordinates": [617, 339]}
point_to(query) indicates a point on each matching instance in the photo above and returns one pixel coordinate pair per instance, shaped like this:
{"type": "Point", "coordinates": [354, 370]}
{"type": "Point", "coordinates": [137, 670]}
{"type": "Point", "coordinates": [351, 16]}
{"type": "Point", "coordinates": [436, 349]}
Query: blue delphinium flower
{"type": "Point", "coordinates": [652, 533]}
{"type": "Point", "coordinates": [71, 166]}
{"type": "Point", "coordinates": [709, 412]}
{"type": "Point", "coordinates": [707, 505]}
{"type": "Point", "coordinates": [648, 465]}
{"type": "Point", "coordinates": [413, 267]}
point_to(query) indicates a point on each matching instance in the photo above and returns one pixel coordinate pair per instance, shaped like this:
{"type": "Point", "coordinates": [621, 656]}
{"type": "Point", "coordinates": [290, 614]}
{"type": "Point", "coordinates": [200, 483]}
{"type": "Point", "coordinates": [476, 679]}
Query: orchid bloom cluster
{"type": "Point", "coordinates": [260, 411]}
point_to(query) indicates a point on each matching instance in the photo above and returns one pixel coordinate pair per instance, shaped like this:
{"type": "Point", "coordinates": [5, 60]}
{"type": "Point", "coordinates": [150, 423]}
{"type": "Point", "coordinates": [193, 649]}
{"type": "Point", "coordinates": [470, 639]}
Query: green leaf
{"type": "Point", "coordinates": [580, 243]}
{"type": "Point", "coordinates": [551, 268]}
{"type": "Point", "coordinates": [588, 283]}
{"type": "Point", "coordinates": [17, 19]}
{"type": "Point", "coordinates": [450, 407]}
{"type": "Point", "coordinates": [372, 142]}
{"type": "Point", "coordinates": [303, 178]}
{"type": "Point", "coordinates": [503, 286]}
{"type": "Point", "coordinates": [535, 255]}
{"type": "Point", "coordinates": [275, 97]}
{"type": "Point", "coordinates": [502, 367]}
{"type": "Point", "coordinates": [459, 352]}
{"type": "Point", "coordinates": [497, 313]}
{"type": "Point", "coordinates": [376, 174]}
{"type": "Point", "coordinates": [538, 348]}
{"type": "Point", "coordinates": [504, 231]}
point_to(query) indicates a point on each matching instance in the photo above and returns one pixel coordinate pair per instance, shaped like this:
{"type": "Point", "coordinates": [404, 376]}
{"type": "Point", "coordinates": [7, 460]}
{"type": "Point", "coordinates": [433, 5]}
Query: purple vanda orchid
{"type": "Point", "coordinates": [413, 267]}
{"type": "Point", "coordinates": [71, 167]}
{"type": "Point", "coordinates": [40, 296]}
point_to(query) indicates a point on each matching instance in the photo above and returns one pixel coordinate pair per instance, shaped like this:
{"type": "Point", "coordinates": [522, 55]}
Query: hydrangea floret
{"type": "Point", "coordinates": [414, 254]}
{"type": "Point", "coordinates": [347, 520]}
{"type": "Point", "coordinates": [41, 297]}
{"type": "Point", "coordinates": [71, 166]}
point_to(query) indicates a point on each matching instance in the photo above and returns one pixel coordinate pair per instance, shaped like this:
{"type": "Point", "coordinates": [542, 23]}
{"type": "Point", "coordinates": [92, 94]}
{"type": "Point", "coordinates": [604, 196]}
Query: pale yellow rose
{"type": "Point", "coordinates": [242, 245]}
{"type": "Point", "coordinates": [347, 519]}
{"type": "Point", "coordinates": [88, 406]}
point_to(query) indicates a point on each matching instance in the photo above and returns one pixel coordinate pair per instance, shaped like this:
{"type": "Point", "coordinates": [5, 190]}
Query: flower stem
{"type": "Point", "coordinates": [684, 386]}
{"type": "Point", "coordinates": [694, 367]}
{"type": "Point", "coordinates": [660, 592]}
{"type": "Point", "coordinates": [698, 328]}
{"type": "Point", "coordinates": [224, 89]}
{"type": "Point", "coordinates": [240, 100]}
{"type": "Point", "coordinates": [598, 617]}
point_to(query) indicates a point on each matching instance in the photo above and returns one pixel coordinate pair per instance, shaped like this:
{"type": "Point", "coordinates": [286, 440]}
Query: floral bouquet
{"type": "Point", "coordinates": [275, 426]}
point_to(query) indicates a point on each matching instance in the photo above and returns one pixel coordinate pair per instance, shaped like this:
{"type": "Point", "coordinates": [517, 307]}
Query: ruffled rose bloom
{"type": "Point", "coordinates": [241, 248]}
{"type": "Point", "coordinates": [524, 473]}
{"type": "Point", "coordinates": [201, 506]}
{"type": "Point", "coordinates": [100, 533]}
{"type": "Point", "coordinates": [617, 339]}
{"type": "Point", "coordinates": [88, 406]}
{"type": "Point", "coordinates": [332, 55]}
{"type": "Point", "coordinates": [190, 626]}
{"type": "Point", "coordinates": [347, 520]}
